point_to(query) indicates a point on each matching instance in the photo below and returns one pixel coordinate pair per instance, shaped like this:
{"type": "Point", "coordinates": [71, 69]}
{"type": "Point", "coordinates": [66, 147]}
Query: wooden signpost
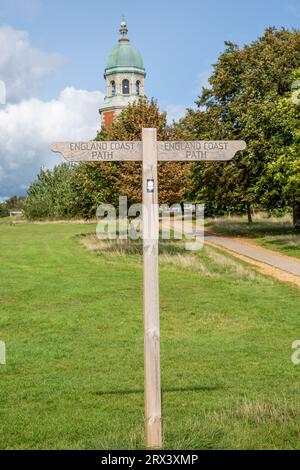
{"type": "Point", "coordinates": [193, 150]}
{"type": "Point", "coordinates": [149, 151]}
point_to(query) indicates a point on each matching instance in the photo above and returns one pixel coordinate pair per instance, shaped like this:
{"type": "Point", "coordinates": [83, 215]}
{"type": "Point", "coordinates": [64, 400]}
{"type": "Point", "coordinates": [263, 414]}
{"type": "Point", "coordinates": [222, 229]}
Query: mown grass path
{"type": "Point", "coordinates": [73, 327]}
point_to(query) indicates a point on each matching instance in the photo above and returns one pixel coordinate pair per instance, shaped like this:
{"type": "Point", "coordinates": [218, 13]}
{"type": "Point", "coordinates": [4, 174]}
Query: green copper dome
{"type": "Point", "coordinates": [124, 55]}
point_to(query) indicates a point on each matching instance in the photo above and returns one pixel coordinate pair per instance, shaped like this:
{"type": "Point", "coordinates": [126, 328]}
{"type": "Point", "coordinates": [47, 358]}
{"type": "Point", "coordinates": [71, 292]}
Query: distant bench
{"type": "Point", "coordinates": [13, 213]}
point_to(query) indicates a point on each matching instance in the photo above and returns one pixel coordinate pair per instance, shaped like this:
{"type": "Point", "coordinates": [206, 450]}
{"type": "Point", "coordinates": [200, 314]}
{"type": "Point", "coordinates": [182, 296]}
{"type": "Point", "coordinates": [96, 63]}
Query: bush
{"type": "Point", "coordinates": [4, 212]}
{"type": "Point", "coordinates": [52, 195]}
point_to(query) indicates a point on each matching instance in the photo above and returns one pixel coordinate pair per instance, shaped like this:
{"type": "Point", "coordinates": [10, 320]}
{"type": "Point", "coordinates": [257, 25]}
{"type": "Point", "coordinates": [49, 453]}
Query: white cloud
{"type": "Point", "coordinates": [28, 128]}
{"type": "Point", "coordinates": [29, 125]}
{"type": "Point", "coordinates": [23, 68]}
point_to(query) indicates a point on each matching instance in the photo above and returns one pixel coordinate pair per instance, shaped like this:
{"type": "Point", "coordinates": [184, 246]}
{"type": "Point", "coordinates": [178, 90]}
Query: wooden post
{"type": "Point", "coordinates": [153, 424]}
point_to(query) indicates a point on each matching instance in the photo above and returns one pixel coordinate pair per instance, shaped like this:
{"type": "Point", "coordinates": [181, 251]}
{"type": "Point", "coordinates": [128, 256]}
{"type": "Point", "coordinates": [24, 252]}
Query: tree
{"type": "Point", "coordinates": [126, 177]}
{"type": "Point", "coordinates": [15, 202]}
{"type": "Point", "coordinates": [92, 186]}
{"type": "Point", "coordinates": [52, 195]}
{"type": "Point", "coordinates": [11, 204]}
{"type": "Point", "coordinates": [246, 86]}
{"type": "Point", "coordinates": [286, 169]}
{"type": "Point", "coordinates": [4, 212]}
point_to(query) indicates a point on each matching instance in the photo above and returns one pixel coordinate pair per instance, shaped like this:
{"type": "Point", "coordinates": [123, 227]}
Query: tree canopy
{"type": "Point", "coordinates": [52, 195]}
{"type": "Point", "coordinates": [173, 177]}
{"type": "Point", "coordinates": [244, 101]}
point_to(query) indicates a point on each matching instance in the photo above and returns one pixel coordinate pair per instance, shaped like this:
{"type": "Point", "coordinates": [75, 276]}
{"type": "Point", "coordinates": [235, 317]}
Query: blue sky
{"type": "Point", "coordinates": [179, 40]}
{"type": "Point", "coordinates": [66, 44]}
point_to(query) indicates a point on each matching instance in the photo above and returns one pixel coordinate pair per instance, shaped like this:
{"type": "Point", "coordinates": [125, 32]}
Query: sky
{"type": "Point", "coordinates": [53, 54]}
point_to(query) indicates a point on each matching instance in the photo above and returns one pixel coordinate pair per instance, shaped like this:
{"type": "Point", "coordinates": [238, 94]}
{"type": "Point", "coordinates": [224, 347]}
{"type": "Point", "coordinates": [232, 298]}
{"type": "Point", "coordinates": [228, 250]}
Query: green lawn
{"type": "Point", "coordinates": [72, 323]}
{"type": "Point", "coordinates": [274, 233]}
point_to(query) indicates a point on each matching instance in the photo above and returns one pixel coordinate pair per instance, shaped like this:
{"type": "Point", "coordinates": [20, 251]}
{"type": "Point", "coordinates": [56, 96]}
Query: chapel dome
{"type": "Point", "coordinates": [124, 54]}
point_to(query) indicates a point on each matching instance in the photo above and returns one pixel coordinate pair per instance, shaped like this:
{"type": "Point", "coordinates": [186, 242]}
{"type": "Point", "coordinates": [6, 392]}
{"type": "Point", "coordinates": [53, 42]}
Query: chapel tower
{"type": "Point", "coordinates": [124, 75]}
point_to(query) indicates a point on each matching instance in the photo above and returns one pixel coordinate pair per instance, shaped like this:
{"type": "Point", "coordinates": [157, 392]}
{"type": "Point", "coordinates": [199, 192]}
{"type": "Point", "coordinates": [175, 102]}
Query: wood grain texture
{"type": "Point", "coordinates": [153, 419]}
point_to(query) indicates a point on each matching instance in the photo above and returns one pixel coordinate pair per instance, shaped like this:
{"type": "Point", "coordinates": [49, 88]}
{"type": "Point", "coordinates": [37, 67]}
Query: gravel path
{"type": "Point", "coordinates": [282, 267]}
{"type": "Point", "coordinates": [257, 253]}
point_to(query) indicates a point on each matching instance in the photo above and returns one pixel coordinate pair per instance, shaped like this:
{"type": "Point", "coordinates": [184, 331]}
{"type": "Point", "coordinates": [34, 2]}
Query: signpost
{"type": "Point", "coordinates": [149, 151]}
{"type": "Point", "coordinates": [193, 150]}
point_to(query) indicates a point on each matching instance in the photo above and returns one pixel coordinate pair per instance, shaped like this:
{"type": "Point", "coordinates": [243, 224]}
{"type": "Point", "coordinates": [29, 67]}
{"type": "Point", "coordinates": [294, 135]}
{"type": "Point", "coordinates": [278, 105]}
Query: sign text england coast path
{"type": "Point", "coordinates": [197, 150]}
{"type": "Point", "coordinates": [193, 150]}
{"type": "Point", "coordinates": [99, 151]}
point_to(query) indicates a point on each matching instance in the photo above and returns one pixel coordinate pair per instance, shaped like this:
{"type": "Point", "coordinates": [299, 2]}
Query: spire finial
{"type": "Point", "coordinates": [123, 30]}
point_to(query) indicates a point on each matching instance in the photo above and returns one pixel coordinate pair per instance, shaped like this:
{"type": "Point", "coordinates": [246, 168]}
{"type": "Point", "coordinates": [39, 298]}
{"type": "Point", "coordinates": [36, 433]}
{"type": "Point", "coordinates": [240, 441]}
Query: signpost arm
{"type": "Point", "coordinates": [153, 420]}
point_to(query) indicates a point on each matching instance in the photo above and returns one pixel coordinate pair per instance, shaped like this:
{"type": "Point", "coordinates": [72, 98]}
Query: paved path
{"type": "Point", "coordinates": [250, 250]}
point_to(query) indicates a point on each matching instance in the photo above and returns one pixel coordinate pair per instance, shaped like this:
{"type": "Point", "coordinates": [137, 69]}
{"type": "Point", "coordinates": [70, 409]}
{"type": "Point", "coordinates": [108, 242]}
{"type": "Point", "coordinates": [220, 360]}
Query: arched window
{"type": "Point", "coordinates": [113, 87]}
{"type": "Point", "coordinates": [125, 87]}
{"type": "Point", "coordinates": [138, 87]}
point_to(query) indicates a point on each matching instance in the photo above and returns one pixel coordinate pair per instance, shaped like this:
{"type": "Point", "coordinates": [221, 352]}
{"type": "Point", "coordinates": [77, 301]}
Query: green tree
{"type": "Point", "coordinates": [52, 194]}
{"type": "Point", "coordinates": [4, 212]}
{"type": "Point", "coordinates": [282, 176]}
{"type": "Point", "coordinates": [246, 87]}
{"type": "Point", "coordinates": [15, 202]}
{"type": "Point", "coordinates": [92, 185]}
{"type": "Point", "coordinates": [126, 177]}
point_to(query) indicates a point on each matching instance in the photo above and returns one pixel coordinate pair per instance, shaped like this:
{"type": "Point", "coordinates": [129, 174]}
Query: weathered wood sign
{"type": "Point", "coordinates": [193, 150]}
{"type": "Point", "coordinates": [149, 151]}
{"type": "Point", "coordinates": [99, 151]}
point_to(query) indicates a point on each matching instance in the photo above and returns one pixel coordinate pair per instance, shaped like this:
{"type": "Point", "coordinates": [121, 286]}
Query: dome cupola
{"type": "Point", "coordinates": [124, 56]}
{"type": "Point", "coordinates": [124, 74]}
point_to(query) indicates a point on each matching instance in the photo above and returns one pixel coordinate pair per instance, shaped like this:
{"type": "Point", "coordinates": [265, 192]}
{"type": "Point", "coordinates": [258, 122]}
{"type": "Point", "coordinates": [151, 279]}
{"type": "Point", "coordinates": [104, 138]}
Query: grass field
{"type": "Point", "coordinates": [71, 317]}
{"type": "Point", "coordinates": [274, 233]}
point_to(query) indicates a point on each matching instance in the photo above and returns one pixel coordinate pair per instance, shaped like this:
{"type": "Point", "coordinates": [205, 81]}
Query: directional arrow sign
{"type": "Point", "coordinates": [193, 150]}
{"type": "Point", "coordinates": [99, 151]}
